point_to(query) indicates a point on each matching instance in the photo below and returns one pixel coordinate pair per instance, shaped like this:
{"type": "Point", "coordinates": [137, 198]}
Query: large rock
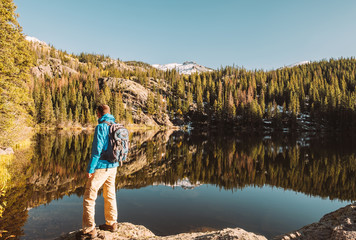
{"type": "Point", "coordinates": [6, 151]}
{"type": "Point", "coordinates": [144, 119]}
{"type": "Point", "coordinates": [50, 68]}
{"type": "Point", "coordinates": [128, 231]}
{"type": "Point", "coordinates": [163, 120]}
{"type": "Point", "coordinates": [132, 92]}
{"type": "Point", "coordinates": [136, 95]}
{"type": "Point", "coordinates": [338, 225]}
{"type": "Point", "coordinates": [226, 234]}
{"type": "Point", "coordinates": [42, 70]}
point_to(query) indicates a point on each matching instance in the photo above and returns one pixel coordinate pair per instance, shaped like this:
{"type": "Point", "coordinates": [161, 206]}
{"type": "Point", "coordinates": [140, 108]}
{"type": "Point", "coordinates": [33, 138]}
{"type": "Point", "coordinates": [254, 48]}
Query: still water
{"type": "Point", "coordinates": [185, 182]}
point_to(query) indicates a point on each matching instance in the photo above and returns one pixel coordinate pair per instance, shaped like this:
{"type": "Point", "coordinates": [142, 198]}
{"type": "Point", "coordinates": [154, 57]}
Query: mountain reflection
{"type": "Point", "coordinates": [55, 166]}
{"type": "Point", "coordinates": [309, 165]}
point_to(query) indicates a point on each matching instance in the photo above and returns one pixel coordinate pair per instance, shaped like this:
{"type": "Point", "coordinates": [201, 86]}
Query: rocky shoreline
{"type": "Point", "coordinates": [337, 225]}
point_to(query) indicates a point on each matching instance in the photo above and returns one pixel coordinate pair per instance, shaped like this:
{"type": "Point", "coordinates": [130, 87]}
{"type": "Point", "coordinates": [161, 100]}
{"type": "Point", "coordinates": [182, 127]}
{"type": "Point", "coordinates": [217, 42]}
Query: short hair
{"type": "Point", "coordinates": [103, 109]}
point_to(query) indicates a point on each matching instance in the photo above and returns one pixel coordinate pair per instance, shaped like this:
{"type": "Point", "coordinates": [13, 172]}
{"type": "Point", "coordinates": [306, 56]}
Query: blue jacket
{"type": "Point", "coordinates": [100, 142]}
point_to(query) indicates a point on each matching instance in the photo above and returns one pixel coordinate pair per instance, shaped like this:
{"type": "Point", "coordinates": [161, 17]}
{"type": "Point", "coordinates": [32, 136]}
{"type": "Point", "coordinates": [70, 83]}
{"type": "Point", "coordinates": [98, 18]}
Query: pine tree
{"type": "Point", "coordinates": [16, 105]}
{"type": "Point", "coordinates": [157, 103]}
{"type": "Point", "coordinates": [47, 114]}
{"type": "Point", "coordinates": [107, 93]}
{"type": "Point", "coordinates": [85, 111]}
{"type": "Point", "coordinates": [231, 109]}
{"type": "Point", "coordinates": [115, 106]}
{"type": "Point", "coordinates": [70, 116]}
{"type": "Point", "coordinates": [128, 115]}
{"type": "Point", "coordinates": [199, 97]}
{"type": "Point", "coordinates": [150, 104]}
{"type": "Point", "coordinates": [76, 114]}
{"type": "Point", "coordinates": [62, 112]}
{"type": "Point", "coordinates": [121, 108]}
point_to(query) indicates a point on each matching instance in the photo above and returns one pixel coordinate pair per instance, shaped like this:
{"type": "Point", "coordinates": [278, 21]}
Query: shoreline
{"type": "Point", "coordinates": [26, 142]}
{"type": "Point", "coordinates": [92, 127]}
{"type": "Point", "coordinates": [337, 225]}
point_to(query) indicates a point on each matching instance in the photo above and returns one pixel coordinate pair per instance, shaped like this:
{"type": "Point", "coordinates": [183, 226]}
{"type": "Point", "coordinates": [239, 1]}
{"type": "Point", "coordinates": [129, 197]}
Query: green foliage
{"type": "Point", "coordinates": [324, 91]}
{"type": "Point", "coordinates": [138, 64]}
{"type": "Point", "coordinates": [150, 104]}
{"type": "Point", "coordinates": [320, 93]}
{"type": "Point", "coordinates": [16, 105]}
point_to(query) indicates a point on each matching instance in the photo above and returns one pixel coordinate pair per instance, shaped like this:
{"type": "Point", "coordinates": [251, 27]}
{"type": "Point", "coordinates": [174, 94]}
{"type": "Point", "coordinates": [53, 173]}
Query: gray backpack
{"type": "Point", "coordinates": [118, 144]}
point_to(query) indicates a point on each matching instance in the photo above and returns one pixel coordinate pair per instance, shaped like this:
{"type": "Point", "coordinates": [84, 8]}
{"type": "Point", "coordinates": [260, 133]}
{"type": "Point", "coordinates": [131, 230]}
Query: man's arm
{"type": "Point", "coordinates": [97, 147]}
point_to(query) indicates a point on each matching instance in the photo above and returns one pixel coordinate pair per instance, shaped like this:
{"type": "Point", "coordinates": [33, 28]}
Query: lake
{"type": "Point", "coordinates": [186, 181]}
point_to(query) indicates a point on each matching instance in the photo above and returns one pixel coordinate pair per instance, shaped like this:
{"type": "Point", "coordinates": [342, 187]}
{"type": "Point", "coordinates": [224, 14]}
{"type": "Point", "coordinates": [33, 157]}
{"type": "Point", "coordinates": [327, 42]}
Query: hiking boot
{"type": "Point", "coordinates": [111, 228]}
{"type": "Point", "coordinates": [90, 235]}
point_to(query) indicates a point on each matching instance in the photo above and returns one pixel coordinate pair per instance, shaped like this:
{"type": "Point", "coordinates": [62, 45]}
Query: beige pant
{"type": "Point", "coordinates": [101, 177]}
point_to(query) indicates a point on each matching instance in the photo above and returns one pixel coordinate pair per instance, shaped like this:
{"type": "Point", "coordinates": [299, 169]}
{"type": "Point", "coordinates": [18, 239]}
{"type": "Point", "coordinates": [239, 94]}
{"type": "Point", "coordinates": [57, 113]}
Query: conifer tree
{"type": "Point", "coordinates": [150, 104]}
{"type": "Point", "coordinates": [157, 103]}
{"type": "Point", "coordinates": [47, 114]}
{"type": "Point", "coordinates": [200, 97]}
{"type": "Point", "coordinates": [128, 115]}
{"type": "Point", "coordinates": [231, 109]}
{"type": "Point", "coordinates": [16, 105]}
{"type": "Point", "coordinates": [121, 108]}
{"type": "Point", "coordinates": [85, 111]}
{"type": "Point", "coordinates": [62, 112]}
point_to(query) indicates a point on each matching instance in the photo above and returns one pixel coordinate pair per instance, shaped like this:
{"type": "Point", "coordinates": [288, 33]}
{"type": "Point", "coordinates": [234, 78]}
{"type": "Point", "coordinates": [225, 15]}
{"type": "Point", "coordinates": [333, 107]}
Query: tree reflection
{"type": "Point", "coordinates": [55, 166]}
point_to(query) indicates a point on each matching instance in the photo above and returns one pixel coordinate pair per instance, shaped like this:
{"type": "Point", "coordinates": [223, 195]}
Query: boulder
{"type": "Point", "coordinates": [136, 95]}
{"type": "Point", "coordinates": [42, 70]}
{"type": "Point", "coordinates": [128, 231]}
{"type": "Point", "coordinates": [163, 120]}
{"type": "Point", "coordinates": [144, 119]}
{"type": "Point", "coordinates": [6, 151]}
{"type": "Point", "coordinates": [132, 92]}
{"type": "Point", "coordinates": [338, 225]}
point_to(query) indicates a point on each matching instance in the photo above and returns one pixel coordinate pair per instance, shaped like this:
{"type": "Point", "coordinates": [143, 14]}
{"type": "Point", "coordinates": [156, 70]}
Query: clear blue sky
{"type": "Point", "coordinates": [264, 34]}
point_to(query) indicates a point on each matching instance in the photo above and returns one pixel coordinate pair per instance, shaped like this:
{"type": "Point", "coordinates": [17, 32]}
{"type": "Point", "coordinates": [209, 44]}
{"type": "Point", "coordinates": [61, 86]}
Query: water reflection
{"type": "Point", "coordinates": [55, 166]}
{"type": "Point", "coordinates": [309, 165]}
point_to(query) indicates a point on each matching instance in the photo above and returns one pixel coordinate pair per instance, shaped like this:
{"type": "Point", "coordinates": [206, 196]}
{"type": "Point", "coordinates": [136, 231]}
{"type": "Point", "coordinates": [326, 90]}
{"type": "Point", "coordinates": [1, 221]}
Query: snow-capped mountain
{"type": "Point", "coordinates": [185, 68]}
{"type": "Point", "coordinates": [297, 64]}
{"type": "Point", "coordinates": [183, 183]}
{"type": "Point", "coordinates": [33, 39]}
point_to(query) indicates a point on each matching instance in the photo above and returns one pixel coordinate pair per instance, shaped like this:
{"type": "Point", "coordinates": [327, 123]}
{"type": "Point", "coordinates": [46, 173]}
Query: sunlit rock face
{"type": "Point", "coordinates": [338, 225]}
{"type": "Point", "coordinates": [136, 96]}
{"type": "Point", "coordinates": [131, 231]}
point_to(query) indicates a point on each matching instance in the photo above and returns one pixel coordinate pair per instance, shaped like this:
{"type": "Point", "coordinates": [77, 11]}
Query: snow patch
{"type": "Point", "coordinates": [183, 183]}
{"type": "Point", "coordinates": [298, 64]}
{"type": "Point", "coordinates": [183, 68]}
{"type": "Point", "coordinates": [33, 39]}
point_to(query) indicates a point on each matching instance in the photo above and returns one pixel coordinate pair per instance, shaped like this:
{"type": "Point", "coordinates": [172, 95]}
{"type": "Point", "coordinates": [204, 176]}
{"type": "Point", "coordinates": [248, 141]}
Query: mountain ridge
{"type": "Point", "coordinates": [188, 67]}
{"type": "Point", "coordinates": [244, 98]}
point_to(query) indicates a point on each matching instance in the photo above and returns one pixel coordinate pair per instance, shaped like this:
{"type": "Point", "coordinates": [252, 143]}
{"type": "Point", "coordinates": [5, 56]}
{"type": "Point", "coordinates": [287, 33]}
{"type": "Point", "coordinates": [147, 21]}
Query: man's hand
{"type": "Point", "coordinates": [90, 175]}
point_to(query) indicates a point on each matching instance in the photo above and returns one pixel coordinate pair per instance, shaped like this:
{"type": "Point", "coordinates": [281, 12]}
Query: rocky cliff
{"type": "Point", "coordinates": [59, 68]}
{"type": "Point", "coordinates": [136, 96]}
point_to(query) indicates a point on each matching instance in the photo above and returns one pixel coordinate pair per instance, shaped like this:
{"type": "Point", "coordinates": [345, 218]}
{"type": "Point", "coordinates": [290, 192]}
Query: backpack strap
{"type": "Point", "coordinates": [108, 123]}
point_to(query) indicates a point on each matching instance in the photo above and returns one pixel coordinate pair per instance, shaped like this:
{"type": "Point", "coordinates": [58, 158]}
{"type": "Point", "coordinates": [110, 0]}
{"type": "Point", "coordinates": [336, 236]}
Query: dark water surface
{"type": "Point", "coordinates": [185, 182]}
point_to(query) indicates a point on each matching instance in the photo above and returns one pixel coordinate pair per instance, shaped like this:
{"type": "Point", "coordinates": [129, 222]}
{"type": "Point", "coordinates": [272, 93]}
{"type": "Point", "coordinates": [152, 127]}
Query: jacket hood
{"type": "Point", "coordinates": [107, 117]}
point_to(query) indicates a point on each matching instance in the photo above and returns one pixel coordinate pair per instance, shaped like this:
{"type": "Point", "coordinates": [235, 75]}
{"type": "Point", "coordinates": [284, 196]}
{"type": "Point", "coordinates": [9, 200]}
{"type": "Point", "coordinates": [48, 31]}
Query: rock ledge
{"type": "Point", "coordinates": [338, 225]}
{"type": "Point", "coordinates": [136, 232]}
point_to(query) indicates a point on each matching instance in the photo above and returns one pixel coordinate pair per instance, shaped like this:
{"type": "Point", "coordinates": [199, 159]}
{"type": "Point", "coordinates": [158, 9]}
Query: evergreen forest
{"type": "Point", "coordinates": [43, 86]}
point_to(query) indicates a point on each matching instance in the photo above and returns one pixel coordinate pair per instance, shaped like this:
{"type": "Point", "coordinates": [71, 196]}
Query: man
{"type": "Point", "coordinates": [100, 172]}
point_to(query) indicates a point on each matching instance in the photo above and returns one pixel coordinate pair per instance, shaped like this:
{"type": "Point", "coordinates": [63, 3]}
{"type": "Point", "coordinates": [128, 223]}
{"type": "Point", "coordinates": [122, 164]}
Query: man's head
{"type": "Point", "coordinates": [102, 110]}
